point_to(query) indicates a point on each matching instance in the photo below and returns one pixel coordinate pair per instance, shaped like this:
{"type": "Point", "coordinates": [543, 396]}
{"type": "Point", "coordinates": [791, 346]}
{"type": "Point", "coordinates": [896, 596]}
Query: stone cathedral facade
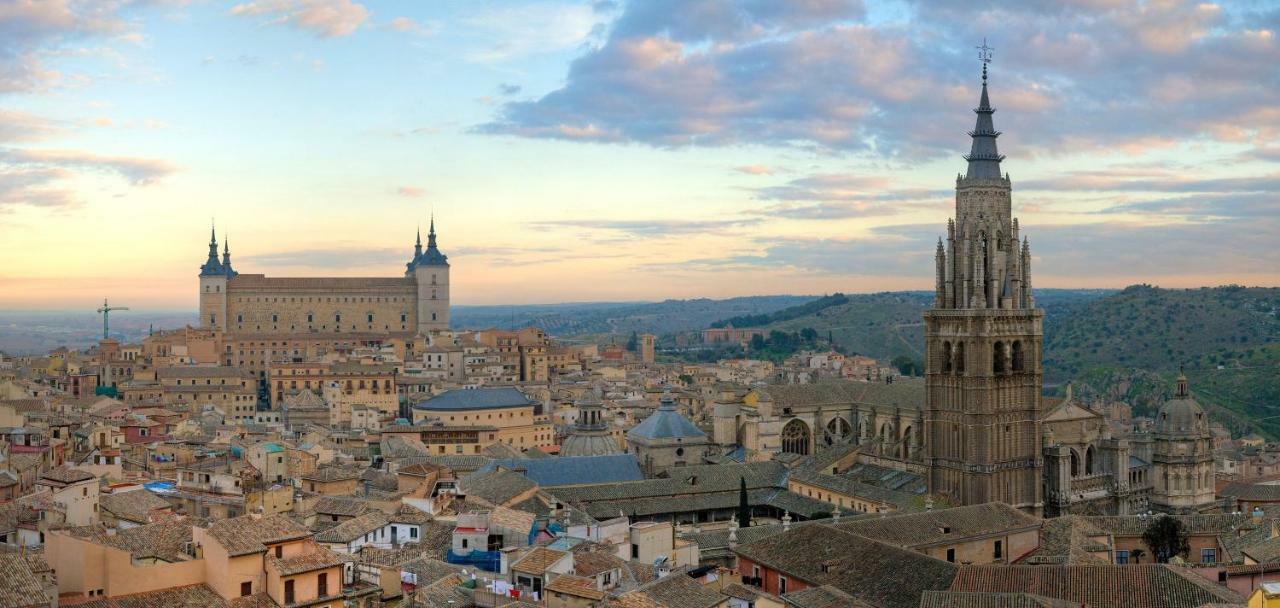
{"type": "Point", "coordinates": [983, 337]}
{"type": "Point", "coordinates": [977, 429]}
{"type": "Point", "coordinates": [286, 308]}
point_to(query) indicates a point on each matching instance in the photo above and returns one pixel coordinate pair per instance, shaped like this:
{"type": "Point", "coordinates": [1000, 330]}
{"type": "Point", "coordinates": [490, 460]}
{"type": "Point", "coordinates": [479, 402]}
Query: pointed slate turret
{"type": "Point", "coordinates": [212, 266]}
{"type": "Point", "coordinates": [984, 159]}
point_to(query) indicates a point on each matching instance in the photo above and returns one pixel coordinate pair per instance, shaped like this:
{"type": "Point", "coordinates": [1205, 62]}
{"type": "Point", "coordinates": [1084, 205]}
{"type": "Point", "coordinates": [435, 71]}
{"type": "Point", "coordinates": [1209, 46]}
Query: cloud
{"type": "Point", "coordinates": [33, 177]}
{"type": "Point", "coordinates": [324, 18]}
{"type": "Point", "coordinates": [509, 89]}
{"type": "Point", "coordinates": [539, 27]}
{"type": "Point", "coordinates": [653, 228]}
{"type": "Point", "coordinates": [18, 126]}
{"type": "Point", "coordinates": [673, 73]}
{"type": "Point", "coordinates": [138, 171]}
{"type": "Point", "coordinates": [29, 28]}
{"type": "Point", "coordinates": [410, 191]}
{"type": "Point", "coordinates": [754, 170]}
{"type": "Point", "coordinates": [409, 25]}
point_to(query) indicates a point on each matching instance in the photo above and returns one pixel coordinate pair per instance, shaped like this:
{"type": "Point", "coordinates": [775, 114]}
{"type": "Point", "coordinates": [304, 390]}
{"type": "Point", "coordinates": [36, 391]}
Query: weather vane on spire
{"type": "Point", "coordinates": [984, 55]}
{"type": "Point", "coordinates": [984, 52]}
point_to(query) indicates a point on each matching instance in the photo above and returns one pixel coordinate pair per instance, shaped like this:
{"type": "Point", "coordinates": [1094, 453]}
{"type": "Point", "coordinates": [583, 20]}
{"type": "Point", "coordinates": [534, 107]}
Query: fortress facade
{"type": "Point", "coordinates": [263, 318]}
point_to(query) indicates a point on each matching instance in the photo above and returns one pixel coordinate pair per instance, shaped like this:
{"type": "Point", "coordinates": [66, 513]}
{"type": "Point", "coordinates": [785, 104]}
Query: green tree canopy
{"type": "Point", "coordinates": [1167, 537]}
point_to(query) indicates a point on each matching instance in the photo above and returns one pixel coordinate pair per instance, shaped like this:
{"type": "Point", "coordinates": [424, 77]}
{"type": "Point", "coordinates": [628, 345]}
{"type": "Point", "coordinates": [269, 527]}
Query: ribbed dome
{"type": "Point", "coordinates": [666, 423]}
{"type": "Point", "coordinates": [589, 444]}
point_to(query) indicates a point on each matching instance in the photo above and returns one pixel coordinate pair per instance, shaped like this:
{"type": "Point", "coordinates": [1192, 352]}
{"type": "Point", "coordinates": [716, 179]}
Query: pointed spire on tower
{"type": "Point", "coordinates": [211, 265]}
{"type": "Point", "coordinates": [417, 244]}
{"type": "Point", "coordinates": [984, 159]}
{"type": "Point", "coordinates": [431, 232]}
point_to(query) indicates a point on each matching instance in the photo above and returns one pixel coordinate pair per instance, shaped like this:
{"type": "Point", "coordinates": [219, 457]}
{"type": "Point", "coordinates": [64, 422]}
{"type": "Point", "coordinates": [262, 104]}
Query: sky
{"type": "Point", "coordinates": [626, 150]}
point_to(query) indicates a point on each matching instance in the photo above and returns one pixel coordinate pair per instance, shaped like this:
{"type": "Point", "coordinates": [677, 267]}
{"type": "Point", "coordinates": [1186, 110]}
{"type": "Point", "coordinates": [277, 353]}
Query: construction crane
{"type": "Point", "coordinates": [106, 312]}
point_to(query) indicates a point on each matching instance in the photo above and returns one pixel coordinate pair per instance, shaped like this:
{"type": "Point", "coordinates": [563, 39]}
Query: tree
{"type": "Point", "coordinates": [906, 365]}
{"type": "Point", "coordinates": [744, 507]}
{"type": "Point", "coordinates": [757, 342]}
{"type": "Point", "coordinates": [633, 342]}
{"type": "Point", "coordinates": [1166, 537]}
{"type": "Point", "coordinates": [808, 334]}
{"type": "Point", "coordinates": [1137, 554]}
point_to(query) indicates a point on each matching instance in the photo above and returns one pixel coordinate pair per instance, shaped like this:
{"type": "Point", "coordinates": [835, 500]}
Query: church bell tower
{"type": "Point", "coordinates": [983, 340]}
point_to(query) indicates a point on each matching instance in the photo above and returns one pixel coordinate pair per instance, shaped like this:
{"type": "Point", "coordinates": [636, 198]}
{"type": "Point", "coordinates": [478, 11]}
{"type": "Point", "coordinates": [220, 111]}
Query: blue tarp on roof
{"type": "Point", "coordinates": [573, 470]}
{"type": "Point", "coordinates": [476, 399]}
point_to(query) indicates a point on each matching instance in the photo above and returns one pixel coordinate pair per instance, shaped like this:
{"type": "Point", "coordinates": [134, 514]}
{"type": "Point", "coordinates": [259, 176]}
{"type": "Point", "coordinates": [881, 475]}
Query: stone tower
{"type": "Point", "coordinates": [1182, 455]}
{"type": "Point", "coordinates": [430, 269]}
{"type": "Point", "coordinates": [983, 341]}
{"type": "Point", "coordinates": [214, 274]}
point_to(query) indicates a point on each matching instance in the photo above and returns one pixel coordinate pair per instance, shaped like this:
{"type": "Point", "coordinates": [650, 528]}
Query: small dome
{"type": "Point", "coordinates": [1181, 414]}
{"type": "Point", "coordinates": [589, 444]}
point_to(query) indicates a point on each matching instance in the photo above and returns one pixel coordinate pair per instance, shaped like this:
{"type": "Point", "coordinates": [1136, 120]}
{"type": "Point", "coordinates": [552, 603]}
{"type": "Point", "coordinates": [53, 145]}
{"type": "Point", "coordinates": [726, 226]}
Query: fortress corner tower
{"type": "Point", "coordinates": [430, 270]}
{"type": "Point", "coordinates": [983, 340]}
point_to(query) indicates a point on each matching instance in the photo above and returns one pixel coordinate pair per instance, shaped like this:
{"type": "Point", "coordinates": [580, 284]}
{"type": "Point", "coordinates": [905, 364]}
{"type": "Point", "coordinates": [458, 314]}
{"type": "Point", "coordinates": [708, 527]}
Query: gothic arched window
{"type": "Point", "coordinates": [838, 431]}
{"type": "Point", "coordinates": [795, 438]}
{"type": "Point", "coordinates": [1017, 356]}
{"type": "Point", "coordinates": [1088, 461]}
{"type": "Point", "coordinates": [946, 357]}
{"type": "Point", "coordinates": [959, 357]}
{"type": "Point", "coordinates": [998, 358]}
{"type": "Point", "coordinates": [1075, 463]}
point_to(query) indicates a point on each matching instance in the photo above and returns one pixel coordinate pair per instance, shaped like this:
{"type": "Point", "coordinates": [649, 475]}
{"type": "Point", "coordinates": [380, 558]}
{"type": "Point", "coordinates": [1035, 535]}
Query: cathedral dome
{"type": "Point", "coordinates": [1181, 415]}
{"type": "Point", "coordinates": [666, 424]}
{"type": "Point", "coordinates": [589, 444]}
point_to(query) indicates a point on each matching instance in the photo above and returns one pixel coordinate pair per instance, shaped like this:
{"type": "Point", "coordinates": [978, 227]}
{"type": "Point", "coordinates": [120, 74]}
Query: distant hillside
{"type": "Point", "coordinates": [618, 318]}
{"type": "Point", "coordinates": [1152, 328]}
{"type": "Point", "coordinates": [1129, 347]}
{"type": "Point", "coordinates": [890, 324]}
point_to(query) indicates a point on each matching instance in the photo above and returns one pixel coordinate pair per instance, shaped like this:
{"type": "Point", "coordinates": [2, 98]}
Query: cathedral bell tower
{"type": "Point", "coordinates": [983, 340]}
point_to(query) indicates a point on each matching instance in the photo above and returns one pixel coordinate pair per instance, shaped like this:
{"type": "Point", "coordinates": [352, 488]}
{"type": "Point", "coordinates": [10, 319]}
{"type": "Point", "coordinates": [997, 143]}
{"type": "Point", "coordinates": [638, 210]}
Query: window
{"type": "Point", "coordinates": [288, 592]}
{"type": "Point", "coordinates": [1208, 556]}
{"type": "Point", "coordinates": [951, 555]}
{"type": "Point", "coordinates": [1122, 557]}
{"type": "Point", "coordinates": [413, 533]}
{"type": "Point", "coordinates": [782, 585]}
{"type": "Point", "coordinates": [246, 588]}
{"type": "Point", "coordinates": [279, 551]}
{"type": "Point", "coordinates": [322, 584]}
{"type": "Point", "coordinates": [999, 550]}
{"type": "Point", "coordinates": [464, 543]}
{"type": "Point", "coordinates": [635, 551]}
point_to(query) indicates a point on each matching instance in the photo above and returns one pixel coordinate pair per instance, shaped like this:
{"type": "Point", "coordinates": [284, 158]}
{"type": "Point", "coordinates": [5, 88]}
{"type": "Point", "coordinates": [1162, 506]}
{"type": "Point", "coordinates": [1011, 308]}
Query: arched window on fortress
{"type": "Point", "coordinates": [959, 357]}
{"type": "Point", "coordinates": [946, 357]}
{"type": "Point", "coordinates": [1017, 356]}
{"type": "Point", "coordinates": [998, 358]}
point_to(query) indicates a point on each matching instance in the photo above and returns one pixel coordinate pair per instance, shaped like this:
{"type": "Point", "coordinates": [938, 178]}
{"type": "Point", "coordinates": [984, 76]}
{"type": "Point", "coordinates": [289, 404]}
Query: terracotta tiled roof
{"type": "Point", "coordinates": [135, 506]}
{"type": "Point", "coordinates": [311, 559]}
{"type": "Point", "coordinates": [352, 529]}
{"type": "Point", "coordinates": [537, 560]}
{"type": "Point", "coordinates": [1128, 586]}
{"type": "Point", "coordinates": [65, 474]}
{"type": "Point", "coordinates": [189, 596]}
{"type": "Point", "coordinates": [962, 599]}
{"type": "Point", "coordinates": [871, 571]}
{"type": "Point", "coordinates": [21, 586]}
{"type": "Point", "coordinates": [824, 596]}
{"type": "Point", "coordinates": [942, 525]}
{"type": "Point", "coordinates": [576, 586]}
{"type": "Point", "coordinates": [245, 535]}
